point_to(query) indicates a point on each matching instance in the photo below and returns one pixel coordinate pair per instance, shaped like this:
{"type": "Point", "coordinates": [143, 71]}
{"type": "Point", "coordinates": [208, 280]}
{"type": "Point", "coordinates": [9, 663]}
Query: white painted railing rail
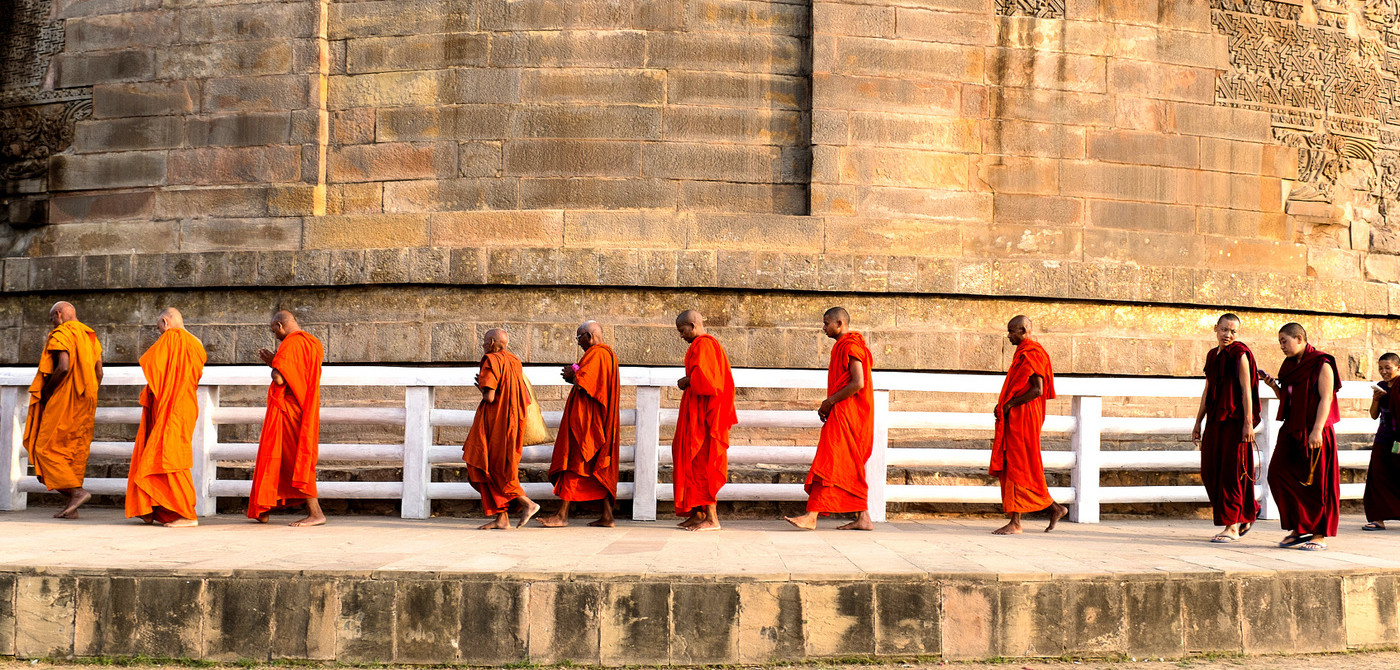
{"type": "Point", "coordinates": [419, 415]}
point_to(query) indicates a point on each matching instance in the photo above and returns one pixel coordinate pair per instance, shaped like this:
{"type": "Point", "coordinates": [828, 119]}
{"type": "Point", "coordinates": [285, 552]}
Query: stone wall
{"type": "Point", "coordinates": [406, 173]}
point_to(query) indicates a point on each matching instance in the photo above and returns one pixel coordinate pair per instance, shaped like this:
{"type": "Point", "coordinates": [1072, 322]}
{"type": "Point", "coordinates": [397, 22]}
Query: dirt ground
{"type": "Point", "coordinates": [1346, 661]}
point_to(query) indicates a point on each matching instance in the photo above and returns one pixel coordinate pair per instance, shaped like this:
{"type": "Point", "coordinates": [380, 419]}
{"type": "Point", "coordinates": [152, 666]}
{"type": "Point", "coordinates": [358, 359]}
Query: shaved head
{"type": "Point", "coordinates": [1018, 329]}
{"type": "Point", "coordinates": [495, 340]}
{"type": "Point", "coordinates": [170, 318]}
{"type": "Point", "coordinates": [62, 313]}
{"type": "Point", "coordinates": [284, 317]}
{"type": "Point", "coordinates": [1019, 321]}
{"type": "Point", "coordinates": [589, 333]}
{"type": "Point", "coordinates": [284, 323]}
{"type": "Point", "coordinates": [1295, 331]}
{"type": "Point", "coordinates": [690, 325]}
{"type": "Point", "coordinates": [691, 317]}
{"type": "Point", "coordinates": [837, 314]}
{"type": "Point", "coordinates": [1227, 317]}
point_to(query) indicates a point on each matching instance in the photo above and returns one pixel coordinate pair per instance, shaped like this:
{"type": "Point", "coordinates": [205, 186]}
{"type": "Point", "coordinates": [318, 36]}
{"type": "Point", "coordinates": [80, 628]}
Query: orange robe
{"type": "Point", "coordinates": [285, 471]}
{"type": "Point", "coordinates": [159, 481]}
{"type": "Point", "coordinates": [700, 448]}
{"type": "Point", "coordinates": [584, 466]}
{"type": "Point", "coordinates": [836, 481]}
{"type": "Point", "coordinates": [1016, 447]}
{"type": "Point", "coordinates": [58, 433]}
{"type": "Point", "coordinates": [492, 449]}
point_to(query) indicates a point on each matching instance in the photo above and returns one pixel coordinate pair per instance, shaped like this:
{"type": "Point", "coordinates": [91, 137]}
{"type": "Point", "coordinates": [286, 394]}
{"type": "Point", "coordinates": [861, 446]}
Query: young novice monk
{"type": "Point", "coordinates": [1382, 499]}
{"type": "Point", "coordinates": [1230, 408]}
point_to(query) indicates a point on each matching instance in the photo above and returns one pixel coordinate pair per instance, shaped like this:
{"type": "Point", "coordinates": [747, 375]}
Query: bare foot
{"type": "Point", "coordinates": [67, 515]}
{"type": "Point", "coordinates": [262, 518]}
{"type": "Point", "coordinates": [148, 519]}
{"type": "Point", "coordinates": [707, 524]}
{"type": "Point", "coordinates": [501, 522]}
{"type": "Point", "coordinates": [60, 513]}
{"type": "Point", "coordinates": [805, 522]}
{"type": "Point", "coordinates": [1011, 528]}
{"type": "Point", "coordinates": [310, 520]}
{"type": "Point", "coordinates": [862, 522]}
{"type": "Point", "coordinates": [182, 523]}
{"type": "Point", "coordinates": [696, 516]}
{"type": "Point", "coordinates": [531, 509]}
{"type": "Point", "coordinates": [75, 500]}
{"type": "Point", "coordinates": [605, 522]}
{"type": "Point", "coordinates": [553, 521]}
{"type": "Point", "coordinates": [1057, 512]}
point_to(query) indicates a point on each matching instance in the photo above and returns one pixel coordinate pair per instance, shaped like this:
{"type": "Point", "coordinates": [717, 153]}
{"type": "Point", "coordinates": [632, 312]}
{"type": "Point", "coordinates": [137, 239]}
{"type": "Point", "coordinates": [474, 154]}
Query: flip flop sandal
{"type": "Point", "coordinates": [1295, 541]}
{"type": "Point", "coordinates": [1373, 526]}
{"type": "Point", "coordinates": [1313, 546]}
{"type": "Point", "coordinates": [1244, 529]}
{"type": "Point", "coordinates": [1224, 539]}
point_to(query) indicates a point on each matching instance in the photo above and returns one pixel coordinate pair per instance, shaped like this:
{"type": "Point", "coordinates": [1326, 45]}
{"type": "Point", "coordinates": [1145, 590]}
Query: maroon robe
{"type": "Point", "coordinates": [1306, 483]}
{"type": "Point", "coordinates": [1227, 461]}
{"type": "Point", "coordinates": [1382, 497]}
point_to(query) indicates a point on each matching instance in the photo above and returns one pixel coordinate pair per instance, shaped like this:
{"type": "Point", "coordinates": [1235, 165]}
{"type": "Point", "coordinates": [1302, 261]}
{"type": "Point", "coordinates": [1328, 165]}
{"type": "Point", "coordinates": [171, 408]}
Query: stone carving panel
{"type": "Point", "coordinates": [1326, 71]}
{"type": "Point", "coordinates": [30, 134]}
{"type": "Point", "coordinates": [1041, 9]}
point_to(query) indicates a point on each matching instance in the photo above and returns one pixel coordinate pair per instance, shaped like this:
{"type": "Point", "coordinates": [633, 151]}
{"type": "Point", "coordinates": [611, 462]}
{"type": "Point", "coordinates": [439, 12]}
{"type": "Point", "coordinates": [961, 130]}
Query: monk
{"type": "Point", "coordinates": [492, 449]}
{"type": "Point", "coordinates": [62, 404]}
{"type": "Point", "coordinates": [1230, 409]}
{"type": "Point", "coordinates": [1382, 497]}
{"type": "Point", "coordinates": [1020, 413]}
{"type": "Point", "coordinates": [836, 481]}
{"type": "Point", "coordinates": [1304, 475]}
{"type": "Point", "coordinates": [158, 486]}
{"type": "Point", "coordinates": [584, 467]}
{"type": "Point", "coordinates": [700, 447]}
{"type": "Point", "coordinates": [285, 473]}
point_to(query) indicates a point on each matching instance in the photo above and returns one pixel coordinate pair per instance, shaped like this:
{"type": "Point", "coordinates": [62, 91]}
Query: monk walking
{"type": "Point", "coordinates": [492, 449]}
{"type": "Point", "coordinates": [62, 404]}
{"type": "Point", "coordinates": [285, 473]}
{"type": "Point", "coordinates": [1382, 497]}
{"type": "Point", "coordinates": [700, 447]}
{"type": "Point", "coordinates": [584, 467]}
{"type": "Point", "coordinates": [1230, 409]}
{"type": "Point", "coordinates": [1020, 413]}
{"type": "Point", "coordinates": [836, 481]}
{"type": "Point", "coordinates": [1304, 475]}
{"type": "Point", "coordinates": [158, 486]}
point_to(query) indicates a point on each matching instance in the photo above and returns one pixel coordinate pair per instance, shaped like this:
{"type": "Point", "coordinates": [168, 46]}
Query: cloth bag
{"type": "Point", "coordinates": [534, 430]}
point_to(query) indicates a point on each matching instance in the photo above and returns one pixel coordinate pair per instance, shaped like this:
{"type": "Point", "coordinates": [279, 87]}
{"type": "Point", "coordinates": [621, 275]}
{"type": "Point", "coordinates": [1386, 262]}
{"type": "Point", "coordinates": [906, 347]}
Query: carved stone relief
{"type": "Point", "coordinates": [1041, 9]}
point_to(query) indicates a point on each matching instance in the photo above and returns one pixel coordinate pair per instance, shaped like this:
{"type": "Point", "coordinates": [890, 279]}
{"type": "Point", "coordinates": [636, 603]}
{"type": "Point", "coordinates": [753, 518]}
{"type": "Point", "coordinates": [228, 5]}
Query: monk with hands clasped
{"type": "Point", "coordinates": [285, 472]}
{"type": "Point", "coordinates": [63, 406]}
{"type": "Point", "coordinates": [700, 448]}
{"type": "Point", "coordinates": [493, 447]}
{"type": "Point", "coordinates": [585, 463]}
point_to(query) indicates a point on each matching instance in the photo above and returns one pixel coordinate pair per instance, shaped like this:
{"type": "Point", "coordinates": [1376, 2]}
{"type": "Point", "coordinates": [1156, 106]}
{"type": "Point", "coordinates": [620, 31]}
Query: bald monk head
{"type": "Point", "coordinates": [589, 333]}
{"type": "Point", "coordinates": [1292, 339]}
{"type": "Point", "coordinates": [1018, 328]}
{"type": "Point", "coordinates": [835, 322]}
{"type": "Point", "coordinates": [495, 340]}
{"type": "Point", "coordinates": [61, 313]}
{"type": "Point", "coordinates": [284, 323]}
{"type": "Point", "coordinates": [170, 318]}
{"type": "Point", "coordinates": [1227, 329]}
{"type": "Point", "coordinates": [690, 325]}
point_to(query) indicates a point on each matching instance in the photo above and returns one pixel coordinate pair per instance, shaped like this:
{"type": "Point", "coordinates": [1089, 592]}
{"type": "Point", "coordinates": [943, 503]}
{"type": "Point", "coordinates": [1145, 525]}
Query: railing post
{"type": "Point", "coordinates": [204, 467]}
{"type": "Point", "coordinates": [13, 465]}
{"type": "Point", "coordinates": [876, 471]}
{"type": "Point", "coordinates": [1087, 410]}
{"type": "Point", "coordinates": [417, 441]}
{"type": "Point", "coordinates": [1267, 439]}
{"type": "Point", "coordinates": [646, 456]}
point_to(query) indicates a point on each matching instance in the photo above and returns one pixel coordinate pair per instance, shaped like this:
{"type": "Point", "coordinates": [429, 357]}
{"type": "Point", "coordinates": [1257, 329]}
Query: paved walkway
{"type": "Point", "coordinates": [767, 549]}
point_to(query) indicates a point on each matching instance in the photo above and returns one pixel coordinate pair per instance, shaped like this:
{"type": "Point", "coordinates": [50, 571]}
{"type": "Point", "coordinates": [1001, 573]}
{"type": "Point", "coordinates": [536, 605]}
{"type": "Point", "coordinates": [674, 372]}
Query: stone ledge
{"type": "Point", "coordinates": [705, 619]}
{"type": "Point", "coordinates": [699, 268]}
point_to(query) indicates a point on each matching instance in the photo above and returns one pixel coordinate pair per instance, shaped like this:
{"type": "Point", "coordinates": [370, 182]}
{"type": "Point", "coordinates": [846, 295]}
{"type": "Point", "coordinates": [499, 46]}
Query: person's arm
{"type": "Point", "coordinates": [98, 370]}
{"type": "Point", "coordinates": [857, 374]}
{"type": "Point", "coordinates": [1324, 406]}
{"type": "Point", "coordinates": [61, 365]}
{"type": "Point", "coordinates": [277, 377]}
{"type": "Point", "coordinates": [1036, 389]}
{"type": "Point", "coordinates": [1247, 400]}
{"type": "Point", "coordinates": [1272, 383]}
{"type": "Point", "coordinates": [1376, 396]}
{"type": "Point", "coordinates": [1200, 414]}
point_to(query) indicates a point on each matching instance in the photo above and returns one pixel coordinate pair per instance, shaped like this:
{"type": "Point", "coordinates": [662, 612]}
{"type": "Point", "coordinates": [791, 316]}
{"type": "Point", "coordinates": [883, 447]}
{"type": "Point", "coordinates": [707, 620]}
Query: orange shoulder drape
{"type": "Point", "coordinates": [836, 481]}
{"type": "Point", "coordinates": [58, 433]}
{"type": "Point", "coordinates": [291, 432]}
{"type": "Point", "coordinates": [1016, 446]}
{"type": "Point", "coordinates": [584, 466]}
{"type": "Point", "coordinates": [492, 449]}
{"type": "Point", "coordinates": [159, 479]}
{"type": "Point", "coordinates": [700, 447]}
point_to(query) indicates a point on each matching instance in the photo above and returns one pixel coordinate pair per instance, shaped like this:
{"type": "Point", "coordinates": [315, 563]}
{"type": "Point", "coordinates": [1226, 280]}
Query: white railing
{"type": "Point", "coordinates": [419, 415]}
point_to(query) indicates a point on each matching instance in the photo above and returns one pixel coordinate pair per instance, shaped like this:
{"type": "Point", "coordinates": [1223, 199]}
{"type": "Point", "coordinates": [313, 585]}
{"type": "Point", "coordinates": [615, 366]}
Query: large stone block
{"type": "Point", "coordinates": [565, 618]}
{"type": "Point", "coordinates": [134, 134]}
{"type": "Point", "coordinates": [590, 122]}
{"type": "Point", "coordinates": [240, 619]}
{"type": "Point", "coordinates": [1033, 618]}
{"type": "Point", "coordinates": [560, 15]}
{"type": "Point", "coordinates": [742, 16]}
{"type": "Point", "coordinates": [914, 131]}
{"type": "Point", "coordinates": [104, 207]}
{"type": "Point", "coordinates": [904, 167]}
{"type": "Point", "coordinates": [589, 193]}
{"type": "Point", "coordinates": [724, 52]}
{"type": "Point", "coordinates": [240, 234]}
{"type": "Point", "coordinates": [198, 202]}
{"type": "Point", "coordinates": [970, 624]}
{"type": "Point", "coordinates": [724, 162]}
{"type": "Point", "coordinates": [429, 621]}
{"type": "Point", "coordinates": [1048, 70]}
{"type": "Point", "coordinates": [416, 52]}
{"type": "Point", "coordinates": [705, 620]}
{"type": "Point", "coordinates": [365, 624]}
{"type": "Point", "coordinates": [460, 122]}
{"type": "Point", "coordinates": [636, 623]}
{"type": "Point", "coordinates": [239, 129]}
{"type": "Point", "coordinates": [772, 623]}
{"type": "Point", "coordinates": [738, 89]}
{"type": "Point", "coordinates": [569, 48]}
{"type": "Point", "coordinates": [524, 228]}
{"type": "Point", "coordinates": [235, 165]}
{"type": "Point", "coordinates": [98, 171]}
{"type": "Point", "coordinates": [360, 231]}
{"type": "Point", "coordinates": [105, 67]}
{"type": "Point", "coordinates": [935, 25]}
{"type": "Point", "coordinates": [907, 617]}
{"type": "Point", "coordinates": [392, 161]}
{"type": "Point", "coordinates": [1161, 81]}
{"type": "Point", "coordinates": [840, 618]}
{"type": "Point", "coordinates": [1060, 107]}
{"type": "Point", "coordinates": [222, 59]}
{"type": "Point", "coordinates": [251, 21]}
{"type": "Point", "coordinates": [572, 158]}
{"type": "Point", "coordinates": [7, 614]}
{"type": "Point", "coordinates": [606, 86]}
{"type": "Point", "coordinates": [1153, 217]}
{"type": "Point", "coordinates": [170, 616]}
{"type": "Point", "coordinates": [495, 619]}
{"type": "Point", "coordinates": [924, 203]}
{"type": "Point", "coordinates": [908, 59]}
{"type": "Point", "coordinates": [1372, 610]}
{"type": "Point", "coordinates": [711, 196]}
{"type": "Point", "coordinates": [833, 18]}
{"type": "Point", "coordinates": [144, 99]}
{"type": "Point", "coordinates": [1120, 146]}
{"type": "Point", "coordinates": [45, 605]}
{"type": "Point", "coordinates": [257, 94]}
{"type": "Point", "coordinates": [396, 17]}
{"type": "Point", "coordinates": [895, 236]}
{"type": "Point", "coordinates": [446, 195]}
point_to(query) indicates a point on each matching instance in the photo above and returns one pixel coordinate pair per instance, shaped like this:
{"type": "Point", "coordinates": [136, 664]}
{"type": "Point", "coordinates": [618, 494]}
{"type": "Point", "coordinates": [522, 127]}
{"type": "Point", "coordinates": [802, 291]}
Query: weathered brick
{"type": "Point", "coordinates": [921, 132]}
{"type": "Point", "coordinates": [235, 165]}
{"type": "Point", "coordinates": [360, 231]}
{"type": "Point", "coordinates": [745, 16]}
{"type": "Point", "coordinates": [1212, 121]}
{"type": "Point", "coordinates": [832, 18]}
{"type": "Point", "coordinates": [739, 89]}
{"type": "Point", "coordinates": [1152, 217]}
{"type": "Point", "coordinates": [1232, 156]}
{"type": "Point", "coordinates": [391, 161]}
{"type": "Point", "coordinates": [572, 158]}
{"type": "Point", "coordinates": [449, 195]}
{"type": "Point", "coordinates": [592, 122]}
{"type": "Point", "coordinates": [755, 232]}
{"type": "Point", "coordinates": [401, 17]}
{"type": "Point", "coordinates": [118, 31]}
{"type": "Point", "coordinates": [133, 134]}
{"type": "Point", "coordinates": [725, 52]}
{"type": "Point", "coordinates": [721, 196]}
{"type": "Point", "coordinates": [731, 124]}
{"type": "Point", "coordinates": [257, 94]}
{"type": "Point", "coordinates": [1012, 208]}
{"type": "Point", "coordinates": [104, 68]}
{"type": "Point", "coordinates": [592, 230]}
{"type": "Point", "coordinates": [597, 86]}
{"type": "Point", "coordinates": [221, 59]}
{"type": "Point", "coordinates": [525, 15]}
{"type": "Point", "coordinates": [727, 162]}
{"type": "Point", "coordinates": [143, 99]}
{"type": "Point", "coordinates": [66, 9]}
{"type": "Point", "coordinates": [103, 207]}
{"type": "Point", "coordinates": [118, 170]}
{"type": "Point", "coordinates": [235, 234]}
{"type": "Point", "coordinates": [459, 122]}
{"type": "Point", "coordinates": [241, 129]}
{"type": "Point", "coordinates": [569, 48]}
{"type": "Point", "coordinates": [1126, 182]}
{"type": "Point", "coordinates": [904, 167]}
{"type": "Point", "coordinates": [416, 52]}
{"type": "Point", "coordinates": [590, 193]}
{"type": "Point", "coordinates": [1118, 146]}
{"type": "Point", "coordinates": [254, 21]}
{"type": "Point", "coordinates": [193, 202]}
{"type": "Point", "coordinates": [523, 228]}
{"type": "Point", "coordinates": [361, 198]}
{"type": "Point", "coordinates": [908, 59]}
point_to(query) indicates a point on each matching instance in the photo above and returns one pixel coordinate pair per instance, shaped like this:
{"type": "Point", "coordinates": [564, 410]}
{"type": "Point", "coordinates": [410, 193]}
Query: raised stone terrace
{"type": "Point", "coordinates": [370, 590]}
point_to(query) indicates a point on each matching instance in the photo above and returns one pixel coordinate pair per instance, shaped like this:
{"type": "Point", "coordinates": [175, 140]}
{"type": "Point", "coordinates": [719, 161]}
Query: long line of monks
{"type": "Point", "coordinates": [1303, 475]}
